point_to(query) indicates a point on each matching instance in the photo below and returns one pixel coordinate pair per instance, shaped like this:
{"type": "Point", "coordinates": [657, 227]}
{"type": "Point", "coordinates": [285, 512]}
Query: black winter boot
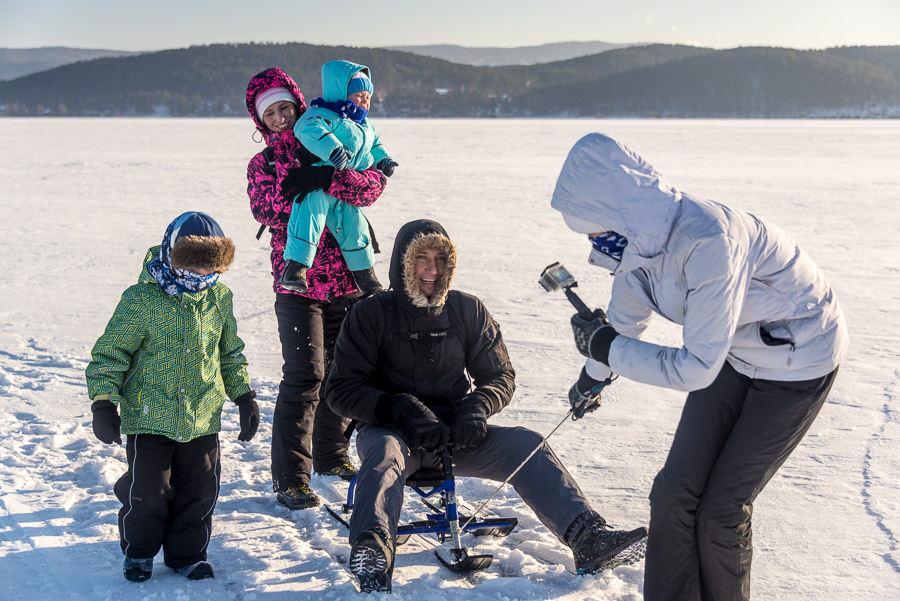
{"type": "Point", "coordinates": [294, 277]}
{"type": "Point", "coordinates": [367, 282]}
{"type": "Point", "coordinates": [197, 571]}
{"type": "Point", "coordinates": [299, 496]}
{"type": "Point", "coordinates": [344, 471]}
{"type": "Point", "coordinates": [596, 547]}
{"type": "Point", "coordinates": [372, 560]}
{"type": "Point", "coordinates": [137, 570]}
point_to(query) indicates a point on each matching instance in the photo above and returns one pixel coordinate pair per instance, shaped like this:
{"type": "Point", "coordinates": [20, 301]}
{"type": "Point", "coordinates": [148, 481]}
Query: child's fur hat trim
{"type": "Point", "coordinates": [203, 253]}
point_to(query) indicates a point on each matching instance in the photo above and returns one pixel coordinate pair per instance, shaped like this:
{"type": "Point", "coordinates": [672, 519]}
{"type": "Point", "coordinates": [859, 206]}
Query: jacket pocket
{"type": "Point", "coordinates": [778, 335]}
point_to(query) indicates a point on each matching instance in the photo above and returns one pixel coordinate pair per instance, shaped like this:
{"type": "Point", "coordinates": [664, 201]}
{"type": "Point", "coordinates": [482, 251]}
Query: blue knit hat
{"type": "Point", "coordinates": [360, 82]}
{"type": "Point", "coordinates": [195, 241]}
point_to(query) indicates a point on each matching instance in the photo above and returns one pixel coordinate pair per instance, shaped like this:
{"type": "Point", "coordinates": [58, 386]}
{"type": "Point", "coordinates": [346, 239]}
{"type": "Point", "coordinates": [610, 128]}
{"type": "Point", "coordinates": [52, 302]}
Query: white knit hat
{"type": "Point", "coordinates": [267, 98]}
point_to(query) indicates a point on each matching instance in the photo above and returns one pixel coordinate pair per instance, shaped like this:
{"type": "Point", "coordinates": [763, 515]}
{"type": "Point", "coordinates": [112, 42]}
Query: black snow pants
{"type": "Point", "coordinates": [168, 495]}
{"type": "Point", "coordinates": [306, 434]}
{"type": "Point", "coordinates": [732, 438]}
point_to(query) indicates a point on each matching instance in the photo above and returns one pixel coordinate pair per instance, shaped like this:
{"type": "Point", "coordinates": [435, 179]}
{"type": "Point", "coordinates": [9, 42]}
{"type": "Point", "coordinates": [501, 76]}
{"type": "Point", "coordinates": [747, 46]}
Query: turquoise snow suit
{"type": "Point", "coordinates": [321, 131]}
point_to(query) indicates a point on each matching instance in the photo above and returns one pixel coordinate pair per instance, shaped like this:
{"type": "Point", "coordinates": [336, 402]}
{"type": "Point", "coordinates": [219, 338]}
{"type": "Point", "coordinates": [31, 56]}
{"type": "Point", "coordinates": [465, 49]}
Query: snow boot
{"type": "Point", "coordinates": [596, 547]}
{"type": "Point", "coordinates": [294, 277]}
{"type": "Point", "coordinates": [344, 471]}
{"type": "Point", "coordinates": [299, 496]}
{"type": "Point", "coordinates": [137, 570]}
{"type": "Point", "coordinates": [197, 571]}
{"type": "Point", "coordinates": [367, 281]}
{"type": "Point", "coordinates": [372, 561]}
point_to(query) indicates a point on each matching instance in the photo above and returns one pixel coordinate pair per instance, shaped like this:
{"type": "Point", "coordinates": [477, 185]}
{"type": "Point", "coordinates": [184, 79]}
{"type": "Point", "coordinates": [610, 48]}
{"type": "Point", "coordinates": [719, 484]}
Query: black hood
{"type": "Point", "coordinates": [410, 236]}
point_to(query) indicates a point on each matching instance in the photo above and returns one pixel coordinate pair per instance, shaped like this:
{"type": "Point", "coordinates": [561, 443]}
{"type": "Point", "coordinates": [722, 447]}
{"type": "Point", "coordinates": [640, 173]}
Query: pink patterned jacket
{"type": "Point", "coordinates": [328, 276]}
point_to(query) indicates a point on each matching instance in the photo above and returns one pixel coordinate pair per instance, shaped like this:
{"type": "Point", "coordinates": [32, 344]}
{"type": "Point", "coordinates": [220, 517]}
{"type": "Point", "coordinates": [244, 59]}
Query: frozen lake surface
{"type": "Point", "coordinates": [82, 200]}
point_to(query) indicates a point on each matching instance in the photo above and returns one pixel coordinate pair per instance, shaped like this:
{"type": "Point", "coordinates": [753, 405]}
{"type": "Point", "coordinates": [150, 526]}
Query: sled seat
{"type": "Point", "coordinates": [425, 478]}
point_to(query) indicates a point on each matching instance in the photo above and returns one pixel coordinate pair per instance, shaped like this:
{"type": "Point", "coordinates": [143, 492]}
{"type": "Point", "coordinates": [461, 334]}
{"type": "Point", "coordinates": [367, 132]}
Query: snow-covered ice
{"type": "Point", "coordinates": [82, 200]}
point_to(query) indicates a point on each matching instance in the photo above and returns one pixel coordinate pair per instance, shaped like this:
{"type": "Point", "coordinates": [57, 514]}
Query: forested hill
{"type": "Point", "coordinates": [521, 55]}
{"type": "Point", "coordinates": [744, 82]}
{"type": "Point", "coordinates": [16, 62]}
{"type": "Point", "coordinates": [653, 80]}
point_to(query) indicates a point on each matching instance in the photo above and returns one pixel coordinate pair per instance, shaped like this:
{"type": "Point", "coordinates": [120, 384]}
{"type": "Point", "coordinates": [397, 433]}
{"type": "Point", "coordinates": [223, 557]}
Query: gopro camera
{"type": "Point", "coordinates": [555, 277]}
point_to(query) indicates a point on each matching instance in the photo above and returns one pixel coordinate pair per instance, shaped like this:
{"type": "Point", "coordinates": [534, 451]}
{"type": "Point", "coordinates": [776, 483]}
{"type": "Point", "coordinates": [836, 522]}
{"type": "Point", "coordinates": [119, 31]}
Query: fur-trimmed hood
{"type": "Point", "coordinates": [412, 237]}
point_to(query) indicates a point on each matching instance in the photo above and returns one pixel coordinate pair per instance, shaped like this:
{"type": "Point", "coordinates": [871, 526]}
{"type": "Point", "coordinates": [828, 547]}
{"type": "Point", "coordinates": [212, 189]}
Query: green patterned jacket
{"type": "Point", "coordinates": [169, 361]}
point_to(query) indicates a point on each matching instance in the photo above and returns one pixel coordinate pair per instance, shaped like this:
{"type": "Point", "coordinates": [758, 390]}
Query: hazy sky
{"type": "Point", "coordinates": [159, 24]}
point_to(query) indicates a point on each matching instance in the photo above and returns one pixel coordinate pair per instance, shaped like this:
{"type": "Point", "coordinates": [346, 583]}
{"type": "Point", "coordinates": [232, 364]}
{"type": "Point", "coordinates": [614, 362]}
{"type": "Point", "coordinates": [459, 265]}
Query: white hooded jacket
{"type": "Point", "coordinates": [742, 289]}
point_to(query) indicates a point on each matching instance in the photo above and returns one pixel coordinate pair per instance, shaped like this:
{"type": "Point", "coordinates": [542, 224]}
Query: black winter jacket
{"type": "Point", "coordinates": [387, 344]}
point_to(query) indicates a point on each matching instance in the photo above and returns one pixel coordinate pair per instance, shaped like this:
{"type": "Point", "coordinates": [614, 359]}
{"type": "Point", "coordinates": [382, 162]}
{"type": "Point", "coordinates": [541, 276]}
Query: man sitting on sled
{"type": "Point", "coordinates": [399, 370]}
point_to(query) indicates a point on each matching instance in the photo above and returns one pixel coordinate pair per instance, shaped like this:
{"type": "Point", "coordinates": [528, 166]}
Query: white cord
{"type": "Point", "coordinates": [516, 471]}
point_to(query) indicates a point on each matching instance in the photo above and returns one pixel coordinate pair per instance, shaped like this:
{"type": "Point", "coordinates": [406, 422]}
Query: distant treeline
{"type": "Point", "coordinates": [641, 81]}
{"type": "Point", "coordinates": [17, 62]}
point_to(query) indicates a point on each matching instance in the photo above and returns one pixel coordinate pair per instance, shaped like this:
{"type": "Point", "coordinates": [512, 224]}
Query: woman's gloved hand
{"type": "Point", "coordinates": [594, 335]}
{"type": "Point", "coordinates": [584, 396]}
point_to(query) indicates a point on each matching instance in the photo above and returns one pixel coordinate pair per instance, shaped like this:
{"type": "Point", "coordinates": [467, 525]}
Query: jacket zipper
{"type": "Point", "coordinates": [178, 410]}
{"type": "Point", "coordinates": [651, 293]}
{"type": "Point", "coordinates": [793, 343]}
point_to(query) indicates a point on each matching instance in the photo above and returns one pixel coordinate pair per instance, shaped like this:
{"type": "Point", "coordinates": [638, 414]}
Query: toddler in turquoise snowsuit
{"type": "Point", "coordinates": [336, 130]}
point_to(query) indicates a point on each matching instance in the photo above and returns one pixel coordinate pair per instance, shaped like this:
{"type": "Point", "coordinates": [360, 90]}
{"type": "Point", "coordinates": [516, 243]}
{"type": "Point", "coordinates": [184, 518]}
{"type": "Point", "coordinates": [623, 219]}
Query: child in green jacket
{"type": "Point", "coordinates": [168, 359]}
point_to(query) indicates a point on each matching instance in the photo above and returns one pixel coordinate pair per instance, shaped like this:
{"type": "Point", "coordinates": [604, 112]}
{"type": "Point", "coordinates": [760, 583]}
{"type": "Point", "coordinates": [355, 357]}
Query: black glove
{"type": "Point", "coordinates": [339, 158]}
{"type": "Point", "coordinates": [584, 396]}
{"type": "Point", "coordinates": [300, 181]}
{"type": "Point", "coordinates": [594, 336]}
{"type": "Point", "coordinates": [469, 422]}
{"type": "Point", "coordinates": [249, 411]}
{"type": "Point", "coordinates": [421, 426]}
{"type": "Point", "coordinates": [386, 166]}
{"type": "Point", "coordinates": [106, 422]}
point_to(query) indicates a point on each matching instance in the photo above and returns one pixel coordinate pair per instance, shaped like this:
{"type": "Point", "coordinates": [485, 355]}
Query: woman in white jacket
{"type": "Point", "coordinates": [763, 336]}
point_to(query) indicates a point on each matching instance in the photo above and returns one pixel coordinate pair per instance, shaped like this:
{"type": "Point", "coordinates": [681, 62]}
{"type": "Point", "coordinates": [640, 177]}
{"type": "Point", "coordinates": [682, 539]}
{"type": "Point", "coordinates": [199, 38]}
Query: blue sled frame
{"type": "Point", "coordinates": [445, 522]}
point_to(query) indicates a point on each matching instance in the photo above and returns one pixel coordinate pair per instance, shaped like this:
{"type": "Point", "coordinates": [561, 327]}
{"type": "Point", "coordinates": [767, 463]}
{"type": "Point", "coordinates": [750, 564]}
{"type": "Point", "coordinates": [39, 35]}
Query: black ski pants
{"type": "Point", "coordinates": [168, 495]}
{"type": "Point", "coordinates": [732, 438]}
{"type": "Point", "coordinates": [306, 434]}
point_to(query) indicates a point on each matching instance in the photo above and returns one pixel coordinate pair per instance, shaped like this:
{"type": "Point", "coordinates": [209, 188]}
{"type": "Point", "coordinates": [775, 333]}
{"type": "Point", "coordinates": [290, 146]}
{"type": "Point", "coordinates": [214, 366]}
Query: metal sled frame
{"type": "Point", "coordinates": [445, 522]}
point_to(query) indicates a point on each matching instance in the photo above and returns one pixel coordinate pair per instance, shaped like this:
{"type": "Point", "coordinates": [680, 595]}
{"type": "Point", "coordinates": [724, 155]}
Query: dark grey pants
{"type": "Point", "coordinates": [732, 438]}
{"type": "Point", "coordinates": [543, 483]}
{"type": "Point", "coordinates": [306, 434]}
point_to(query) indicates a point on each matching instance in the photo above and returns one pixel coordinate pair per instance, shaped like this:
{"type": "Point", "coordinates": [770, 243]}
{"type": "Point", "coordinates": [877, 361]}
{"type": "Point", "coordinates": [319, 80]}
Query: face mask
{"type": "Point", "coordinates": [189, 281]}
{"type": "Point", "coordinates": [610, 244]}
